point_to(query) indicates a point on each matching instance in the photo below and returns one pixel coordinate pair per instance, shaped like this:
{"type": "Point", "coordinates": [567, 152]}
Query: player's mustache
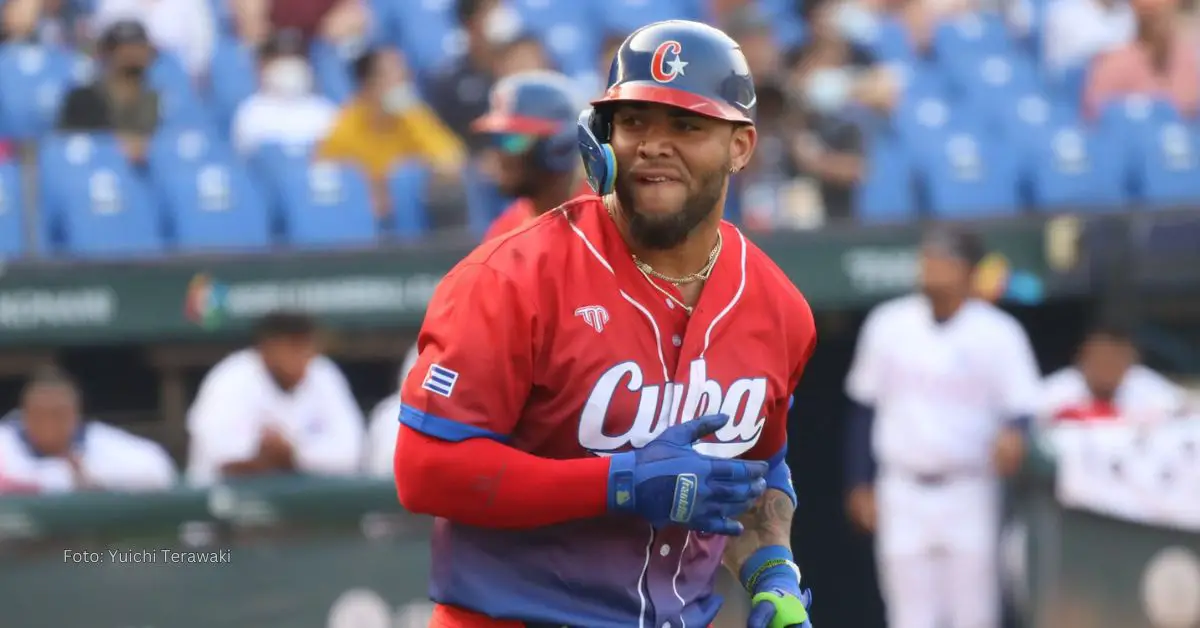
{"type": "Point", "coordinates": [657, 170]}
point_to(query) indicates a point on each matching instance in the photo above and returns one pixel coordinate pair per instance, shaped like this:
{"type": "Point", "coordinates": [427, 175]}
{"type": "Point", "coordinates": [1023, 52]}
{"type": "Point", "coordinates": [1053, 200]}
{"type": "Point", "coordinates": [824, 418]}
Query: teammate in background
{"type": "Point", "coordinates": [530, 126]}
{"type": "Point", "coordinates": [1107, 382]}
{"type": "Point", "coordinates": [944, 387]}
{"type": "Point", "coordinates": [597, 416]}
{"type": "Point", "coordinates": [382, 426]}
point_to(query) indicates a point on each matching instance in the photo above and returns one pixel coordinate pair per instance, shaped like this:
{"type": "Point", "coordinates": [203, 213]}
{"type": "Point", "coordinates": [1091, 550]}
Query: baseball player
{"type": "Point", "coordinates": [944, 388]}
{"type": "Point", "coordinates": [597, 413]}
{"type": "Point", "coordinates": [530, 124]}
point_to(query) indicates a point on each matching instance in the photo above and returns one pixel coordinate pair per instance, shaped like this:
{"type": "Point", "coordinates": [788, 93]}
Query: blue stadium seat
{"type": "Point", "coordinates": [991, 84]}
{"type": "Point", "coordinates": [211, 200]}
{"type": "Point", "coordinates": [331, 71]}
{"type": "Point", "coordinates": [1168, 172]}
{"type": "Point", "coordinates": [886, 193]}
{"type": "Point", "coordinates": [108, 212]}
{"type": "Point", "coordinates": [64, 157]}
{"type": "Point", "coordinates": [34, 80]}
{"type": "Point", "coordinates": [972, 35]}
{"type": "Point", "coordinates": [562, 26]}
{"type": "Point", "coordinates": [625, 16]}
{"type": "Point", "coordinates": [1071, 168]}
{"type": "Point", "coordinates": [12, 220]}
{"type": "Point", "coordinates": [179, 103]}
{"type": "Point", "coordinates": [785, 19]}
{"type": "Point", "coordinates": [970, 174]}
{"type": "Point", "coordinates": [328, 204]}
{"type": "Point", "coordinates": [408, 185]}
{"type": "Point", "coordinates": [233, 78]}
{"type": "Point", "coordinates": [428, 34]}
{"type": "Point", "coordinates": [271, 163]}
{"type": "Point", "coordinates": [215, 205]}
{"type": "Point", "coordinates": [889, 42]}
{"type": "Point", "coordinates": [921, 122]}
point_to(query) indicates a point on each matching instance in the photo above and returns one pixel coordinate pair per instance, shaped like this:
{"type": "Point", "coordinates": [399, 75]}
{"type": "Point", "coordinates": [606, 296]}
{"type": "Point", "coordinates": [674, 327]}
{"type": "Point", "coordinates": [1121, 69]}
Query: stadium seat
{"type": "Point", "coordinates": [988, 85]}
{"type": "Point", "coordinates": [886, 193]}
{"type": "Point", "coordinates": [920, 122]}
{"type": "Point", "coordinates": [563, 28]}
{"type": "Point", "coordinates": [969, 174]}
{"type": "Point", "coordinates": [179, 103]}
{"type": "Point", "coordinates": [1070, 168]}
{"type": "Point", "coordinates": [12, 220]}
{"type": "Point", "coordinates": [233, 78]}
{"type": "Point", "coordinates": [972, 36]}
{"type": "Point", "coordinates": [328, 204]}
{"type": "Point", "coordinates": [427, 33]}
{"type": "Point", "coordinates": [407, 186]}
{"type": "Point", "coordinates": [211, 202]}
{"type": "Point", "coordinates": [1168, 172]}
{"type": "Point", "coordinates": [889, 42]}
{"type": "Point", "coordinates": [331, 71]}
{"type": "Point", "coordinates": [109, 212]}
{"type": "Point", "coordinates": [625, 16]}
{"type": "Point", "coordinates": [34, 80]}
{"type": "Point", "coordinates": [270, 165]}
{"type": "Point", "coordinates": [69, 156]}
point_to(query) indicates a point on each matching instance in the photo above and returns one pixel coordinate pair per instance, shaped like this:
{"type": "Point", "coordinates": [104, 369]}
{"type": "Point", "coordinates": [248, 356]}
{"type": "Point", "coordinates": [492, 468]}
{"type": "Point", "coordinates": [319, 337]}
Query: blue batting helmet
{"type": "Point", "coordinates": [534, 111]}
{"type": "Point", "coordinates": [684, 64]}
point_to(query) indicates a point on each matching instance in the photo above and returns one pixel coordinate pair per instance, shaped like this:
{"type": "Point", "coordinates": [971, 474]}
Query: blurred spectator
{"type": "Point", "coordinates": [458, 92]}
{"type": "Point", "coordinates": [1107, 382]}
{"type": "Point", "coordinates": [1076, 31]}
{"type": "Point", "coordinates": [5, 151]}
{"type": "Point", "coordinates": [285, 109]}
{"type": "Point", "coordinates": [523, 54]}
{"type": "Point", "coordinates": [388, 123]}
{"type": "Point", "coordinates": [184, 28]}
{"type": "Point", "coordinates": [51, 22]}
{"type": "Point", "coordinates": [120, 100]}
{"type": "Point", "coordinates": [1161, 61]}
{"type": "Point", "coordinates": [344, 23]}
{"type": "Point", "coordinates": [47, 446]}
{"type": "Point", "coordinates": [276, 407]}
{"type": "Point", "coordinates": [385, 426]}
{"type": "Point", "coordinates": [750, 28]}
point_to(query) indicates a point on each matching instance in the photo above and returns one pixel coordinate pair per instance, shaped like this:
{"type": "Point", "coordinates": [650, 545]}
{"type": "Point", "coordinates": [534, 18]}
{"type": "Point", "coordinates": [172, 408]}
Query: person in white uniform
{"type": "Point", "coordinates": [384, 426]}
{"type": "Point", "coordinates": [1107, 382]}
{"type": "Point", "coordinates": [46, 446]}
{"type": "Point", "coordinates": [277, 407]}
{"type": "Point", "coordinates": [943, 388]}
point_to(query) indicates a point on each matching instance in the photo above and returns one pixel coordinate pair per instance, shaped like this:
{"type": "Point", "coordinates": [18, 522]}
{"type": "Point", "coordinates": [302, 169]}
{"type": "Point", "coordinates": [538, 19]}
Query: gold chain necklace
{"type": "Point", "coordinates": [648, 271]}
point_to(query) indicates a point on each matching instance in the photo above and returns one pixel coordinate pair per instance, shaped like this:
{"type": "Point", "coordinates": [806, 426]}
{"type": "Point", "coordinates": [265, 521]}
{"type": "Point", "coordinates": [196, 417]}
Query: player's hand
{"type": "Point", "coordinates": [779, 602]}
{"type": "Point", "coordinates": [1008, 453]}
{"type": "Point", "coordinates": [668, 482]}
{"type": "Point", "coordinates": [860, 505]}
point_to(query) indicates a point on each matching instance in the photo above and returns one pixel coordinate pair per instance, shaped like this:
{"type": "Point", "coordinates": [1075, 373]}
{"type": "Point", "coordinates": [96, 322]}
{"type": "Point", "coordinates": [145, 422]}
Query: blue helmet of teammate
{"type": "Point", "coordinates": [534, 111]}
{"type": "Point", "coordinates": [684, 64]}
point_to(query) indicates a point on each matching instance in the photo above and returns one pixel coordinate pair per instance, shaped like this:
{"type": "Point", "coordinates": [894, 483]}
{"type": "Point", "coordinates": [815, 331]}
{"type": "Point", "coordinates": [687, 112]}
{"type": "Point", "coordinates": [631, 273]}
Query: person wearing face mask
{"type": "Point", "coordinates": [119, 100]}
{"type": "Point", "coordinates": [285, 109]}
{"type": "Point", "coordinates": [459, 91]}
{"type": "Point", "coordinates": [387, 123]}
{"type": "Point", "coordinates": [833, 78]}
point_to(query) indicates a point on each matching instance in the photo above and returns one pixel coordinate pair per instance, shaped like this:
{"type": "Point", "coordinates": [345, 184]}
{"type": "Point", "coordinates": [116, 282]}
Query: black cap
{"type": "Point", "coordinates": [124, 32]}
{"type": "Point", "coordinates": [956, 242]}
{"type": "Point", "coordinates": [283, 43]}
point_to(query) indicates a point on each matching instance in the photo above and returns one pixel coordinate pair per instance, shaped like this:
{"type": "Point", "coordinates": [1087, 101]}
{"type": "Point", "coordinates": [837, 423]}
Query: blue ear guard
{"type": "Point", "coordinates": [599, 162]}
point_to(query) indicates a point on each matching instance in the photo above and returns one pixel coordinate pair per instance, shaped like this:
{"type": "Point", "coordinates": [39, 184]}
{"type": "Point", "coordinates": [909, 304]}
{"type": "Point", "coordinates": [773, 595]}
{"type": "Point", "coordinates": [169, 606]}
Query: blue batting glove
{"type": "Point", "coordinates": [668, 482]}
{"type": "Point", "coordinates": [773, 580]}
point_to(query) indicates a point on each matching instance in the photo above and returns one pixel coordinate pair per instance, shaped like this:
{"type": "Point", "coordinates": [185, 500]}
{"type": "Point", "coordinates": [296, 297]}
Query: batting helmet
{"type": "Point", "coordinates": [534, 111]}
{"type": "Point", "coordinates": [685, 64]}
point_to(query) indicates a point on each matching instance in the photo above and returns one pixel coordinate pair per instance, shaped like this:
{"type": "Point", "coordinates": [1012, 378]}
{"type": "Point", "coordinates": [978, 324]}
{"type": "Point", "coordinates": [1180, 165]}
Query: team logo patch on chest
{"type": "Point", "coordinates": [659, 406]}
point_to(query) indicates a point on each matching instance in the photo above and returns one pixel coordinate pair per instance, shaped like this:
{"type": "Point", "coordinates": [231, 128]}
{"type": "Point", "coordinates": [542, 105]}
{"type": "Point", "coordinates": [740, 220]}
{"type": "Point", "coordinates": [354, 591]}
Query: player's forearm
{"type": "Point", "coordinates": [484, 483]}
{"type": "Point", "coordinates": [767, 523]}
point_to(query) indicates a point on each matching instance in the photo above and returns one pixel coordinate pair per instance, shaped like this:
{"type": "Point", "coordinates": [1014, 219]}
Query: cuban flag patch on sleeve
{"type": "Point", "coordinates": [440, 380]}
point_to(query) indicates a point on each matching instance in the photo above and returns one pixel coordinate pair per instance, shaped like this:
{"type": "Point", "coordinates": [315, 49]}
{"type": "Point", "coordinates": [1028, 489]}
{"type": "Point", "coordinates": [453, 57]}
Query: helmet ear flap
{"type": "Point", "coordinates": [599, 162]}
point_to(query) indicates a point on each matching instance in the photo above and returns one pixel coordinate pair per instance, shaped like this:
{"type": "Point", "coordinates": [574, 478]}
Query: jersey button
{"type": "Point", "coordinates": [664, 550]}
{"type": "Point", "coordinates": [666, 624]}
{"type": "Point", "coordinates": [670, 304]}
{"type": "Point", "coordinates": [676, 340]}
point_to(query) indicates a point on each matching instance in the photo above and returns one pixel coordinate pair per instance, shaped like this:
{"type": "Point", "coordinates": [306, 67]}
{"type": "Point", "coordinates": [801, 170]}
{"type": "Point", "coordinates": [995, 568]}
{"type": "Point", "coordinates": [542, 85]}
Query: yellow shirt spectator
{"type": "Point", "coordinates": [377, 140]}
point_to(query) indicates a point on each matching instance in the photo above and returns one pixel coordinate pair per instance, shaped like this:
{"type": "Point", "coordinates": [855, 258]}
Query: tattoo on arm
{"type": "Point", "coordinates": [768, 522]}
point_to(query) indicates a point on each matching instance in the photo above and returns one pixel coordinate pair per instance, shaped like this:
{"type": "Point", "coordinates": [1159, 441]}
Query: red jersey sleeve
{"type": "Point", "coordinates": [475, 363]}
{"type": "Point", "coordinates": [772, 445]}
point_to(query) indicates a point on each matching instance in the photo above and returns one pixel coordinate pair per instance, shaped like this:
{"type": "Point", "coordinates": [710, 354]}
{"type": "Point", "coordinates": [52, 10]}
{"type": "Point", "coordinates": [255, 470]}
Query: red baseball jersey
{"type": "Point", "coordinates": [551, 340]}
{"type": "Point", "coordinates": [518, 213]}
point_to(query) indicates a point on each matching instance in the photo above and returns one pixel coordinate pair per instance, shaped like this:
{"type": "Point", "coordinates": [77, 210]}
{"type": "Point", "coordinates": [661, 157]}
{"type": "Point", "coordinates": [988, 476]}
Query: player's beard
{"type": "Point", "coordinates": [660, 232]}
